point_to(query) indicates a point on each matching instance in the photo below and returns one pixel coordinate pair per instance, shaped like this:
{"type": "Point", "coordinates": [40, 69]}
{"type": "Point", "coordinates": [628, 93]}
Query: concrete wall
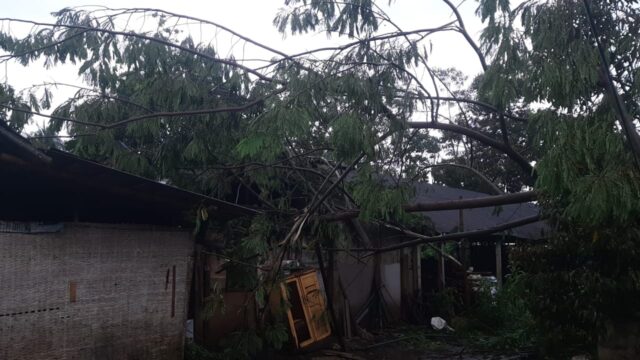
{"type": "Point", "coordinates": [357, 278]}
{"type": "Point", "coordinates": [94, 292]}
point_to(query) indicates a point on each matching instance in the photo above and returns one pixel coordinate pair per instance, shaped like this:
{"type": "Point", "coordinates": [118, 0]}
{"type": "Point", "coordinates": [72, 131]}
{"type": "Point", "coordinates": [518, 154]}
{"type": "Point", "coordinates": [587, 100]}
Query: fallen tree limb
{"type": "Point", "coordinates": [496, 200]}
{"type": "Point", "coordinates": [487, 201]}
{"type": "Point", "coordinates": [476, 135]}
{"type": "Point", "coordinates": [424, 239]}
{"type": "Point", "coordinates": [481, 176]}
{"type": "Point", "coordinates": [193, 51]}
{"type": "Point", "coordinates": [166, 114]}
{"type": "Point", "coordinates": [444, 254]}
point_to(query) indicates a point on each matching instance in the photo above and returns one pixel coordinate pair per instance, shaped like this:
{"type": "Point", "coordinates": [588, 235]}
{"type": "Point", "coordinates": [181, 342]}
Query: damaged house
{"type": "Point", "coordinates": [392, 283]}
{"type": "Point", "coordinates": [383, 277]}
{"type": "Point", "coordinates": [101, 263]}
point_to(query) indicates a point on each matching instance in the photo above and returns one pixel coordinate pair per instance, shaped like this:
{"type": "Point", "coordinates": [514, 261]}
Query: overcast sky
{"type": "Point", "coordinates": [253, 18]}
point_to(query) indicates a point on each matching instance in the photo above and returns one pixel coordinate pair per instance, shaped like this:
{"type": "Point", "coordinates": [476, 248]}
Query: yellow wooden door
{"type": "Point", "coordinates": [313, 299]}
{"type": "Point", "coordinates": [297, 313]}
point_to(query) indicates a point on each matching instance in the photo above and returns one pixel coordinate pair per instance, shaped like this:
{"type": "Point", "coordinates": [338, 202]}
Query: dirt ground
{"type": "Point", "coordinates": [412, 345]}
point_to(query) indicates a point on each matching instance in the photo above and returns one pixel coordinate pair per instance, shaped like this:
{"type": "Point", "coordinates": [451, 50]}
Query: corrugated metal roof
{"type": "Point", "coordinates": [58, 166]}
{"type": "Point", "coordinates": [107, 176]}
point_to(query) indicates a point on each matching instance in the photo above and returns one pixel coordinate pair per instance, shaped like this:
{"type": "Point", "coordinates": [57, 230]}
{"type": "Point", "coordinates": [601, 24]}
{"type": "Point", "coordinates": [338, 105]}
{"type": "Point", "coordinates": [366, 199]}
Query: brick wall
{"type": "Point", "coordinates": [94, 292]}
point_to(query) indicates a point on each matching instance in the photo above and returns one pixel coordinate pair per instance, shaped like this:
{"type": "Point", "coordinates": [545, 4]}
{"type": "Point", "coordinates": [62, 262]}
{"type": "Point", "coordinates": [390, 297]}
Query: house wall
{"type": "Point", "coordinates": [400, 283]}
{"type": "Point", "coordinates": [357, 279]}
{"type": "Point", "coordinates": [94, 292]}
{"type": "Point", "coordinates": [391, 281]}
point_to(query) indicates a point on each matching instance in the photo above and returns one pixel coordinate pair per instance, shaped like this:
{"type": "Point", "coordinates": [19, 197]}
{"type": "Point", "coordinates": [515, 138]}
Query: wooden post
{"type": "Point", "coordinates": [347, 318]}
{"type": "Point", "coordinates": [441, 268]}
{"type": "Point", "coordinates": [346, 307]}
{"type": "Point", "coordinates": [332, 313]}
{"type": "Point", "coordinates": [405, 285]}
{"type": "Point", "coordinates": [377, 304]}
{"type": "Point", "coordinates": [417, 269]}
{"type": "Point", "coordinates": [465, 247]}
{"type": "Point", "coordinates": [499, 263]}
{"type": "Point", "coordinates": [198, 301]}
{"type": "Point", "coordinates": [409, 280]}
{"type": "Point", "coordinates": [330, 280]}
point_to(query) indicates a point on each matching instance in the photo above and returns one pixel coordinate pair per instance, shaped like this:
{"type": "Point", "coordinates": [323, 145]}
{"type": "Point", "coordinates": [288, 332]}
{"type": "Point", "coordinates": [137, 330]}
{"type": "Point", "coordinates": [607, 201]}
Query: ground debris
{"type": "Point", "coordinates": [411, 343]}
{"type": "Point", "coordinates": [342, 355]}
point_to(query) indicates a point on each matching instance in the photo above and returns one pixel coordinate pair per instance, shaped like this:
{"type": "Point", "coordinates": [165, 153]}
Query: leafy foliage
{"type": "Point", "coordinates": [248, 245]}
{"type": "Point", "coordinates": [336, 110]}
{"type": "Point", "coordinates": [351, 18]}
{"type": "Point", "coordinates": [14, 119]}
{"type": "Point", "coordinates": [501, 321]}
{"type": "Point", "coordinates": [586, 172]}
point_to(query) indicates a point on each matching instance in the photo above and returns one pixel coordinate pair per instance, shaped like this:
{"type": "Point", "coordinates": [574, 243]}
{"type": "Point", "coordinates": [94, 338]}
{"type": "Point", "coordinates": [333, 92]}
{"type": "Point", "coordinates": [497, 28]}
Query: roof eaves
{"type": "Point", "coordinates": [22, 146]}
{"type": "Point", "coordinates": [148, 184]}
{"type": "Point", "coordinates": [17, 145]}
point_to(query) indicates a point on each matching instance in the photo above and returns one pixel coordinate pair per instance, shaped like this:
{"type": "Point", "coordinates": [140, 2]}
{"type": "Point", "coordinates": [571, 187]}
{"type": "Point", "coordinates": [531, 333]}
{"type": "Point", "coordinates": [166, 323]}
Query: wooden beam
{"type": "Point", "coordinates": [332, 313]}
{"type": "Point", "coordinates": [499, 263]}
{"type": "Point", "coordinates": [441, 269]}
{"type": "Point", "coordinates": [465, 247]}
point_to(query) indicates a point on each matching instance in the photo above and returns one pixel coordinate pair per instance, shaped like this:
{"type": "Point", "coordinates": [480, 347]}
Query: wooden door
{"type": "Point", "coordinates": [317, 315]}
{"type": "Point", "coordinates": [297, 313]}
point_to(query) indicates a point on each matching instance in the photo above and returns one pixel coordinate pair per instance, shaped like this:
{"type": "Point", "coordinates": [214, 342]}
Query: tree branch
{"type": "Point", "coordinates": [153, 115]}
{"type": "Point", "coordinates": [474, 102]}
{"type": "Point", "coordinates": [152, 39]}
{"type": "Point", "coordinates": [245, 38]}
{"type": "Point", "coordinates": [445, 27]}
{"type": "Point", "coordinates": [482, 138]}
{"type": "Point", "coordinates": [486, 180]}
{"type": "Point", "coordinates": [623, 116]}
{"type": "Point", "coordinates": [6, 57]}
{"type": "Point", "coordinates": [196, 112]}
{"type": "Point", "coordinates": [423, 239]}
{"type": "Point", "coordinates": [465, 33]}
{"type": "Point", "coordinates": [486, 201]}
{"type": "Point", "coordinates": [53, 117]}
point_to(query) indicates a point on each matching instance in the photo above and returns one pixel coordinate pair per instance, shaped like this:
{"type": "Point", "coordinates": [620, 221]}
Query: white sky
{"type": "Point", "coordinates": [253, 18]}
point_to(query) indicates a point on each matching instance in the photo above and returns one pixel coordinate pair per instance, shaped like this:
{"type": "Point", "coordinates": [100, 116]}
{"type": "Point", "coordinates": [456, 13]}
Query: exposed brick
{"type": "Point", "coordinates": [118, 275]}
